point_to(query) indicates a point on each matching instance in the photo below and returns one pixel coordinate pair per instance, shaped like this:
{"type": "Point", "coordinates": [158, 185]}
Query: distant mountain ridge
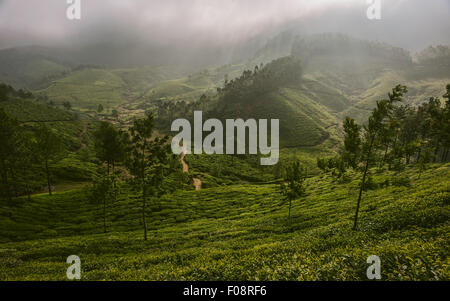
{"type": "Point", "coordinates": [341, 76]}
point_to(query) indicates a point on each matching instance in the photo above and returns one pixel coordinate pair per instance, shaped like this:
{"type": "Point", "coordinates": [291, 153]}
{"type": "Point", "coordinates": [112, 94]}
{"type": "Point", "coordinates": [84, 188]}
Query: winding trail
{"type": "Point", "coordinates": [196, 182]}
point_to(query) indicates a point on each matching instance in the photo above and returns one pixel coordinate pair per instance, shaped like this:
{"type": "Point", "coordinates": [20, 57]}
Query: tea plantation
{"type": "Point", "coordinates": [238, 232]}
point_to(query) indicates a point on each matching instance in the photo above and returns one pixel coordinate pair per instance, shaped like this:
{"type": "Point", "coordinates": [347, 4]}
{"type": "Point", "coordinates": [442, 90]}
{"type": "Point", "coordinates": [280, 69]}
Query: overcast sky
{"type": "Point", "coordinates": [412, 24]}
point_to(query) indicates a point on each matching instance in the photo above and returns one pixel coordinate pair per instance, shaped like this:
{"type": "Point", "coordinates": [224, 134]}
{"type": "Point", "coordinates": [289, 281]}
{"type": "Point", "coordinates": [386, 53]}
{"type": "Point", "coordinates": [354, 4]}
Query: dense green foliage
{"type": "Point", "coordinates": [237, 233]}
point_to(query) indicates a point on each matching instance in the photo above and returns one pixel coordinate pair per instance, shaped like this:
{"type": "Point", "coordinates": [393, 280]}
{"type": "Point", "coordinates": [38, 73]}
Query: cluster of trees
{"type": "Point", "coordinates": [394, 136]}
{"type": "Point", "coordinates": [434, 61]}
{"type": "Point", "coordinates": [6, 91]}
{"type": "Point", "coordinates": [146, 157]}
{"type": "Point", "coordinates": [27, 155]}
{"type": "Point", "coordinates": [23, 153]}
{"type": "Point", "coordinates": [263, 79]}
{"type": "Point", "coordinates": [167, 111]}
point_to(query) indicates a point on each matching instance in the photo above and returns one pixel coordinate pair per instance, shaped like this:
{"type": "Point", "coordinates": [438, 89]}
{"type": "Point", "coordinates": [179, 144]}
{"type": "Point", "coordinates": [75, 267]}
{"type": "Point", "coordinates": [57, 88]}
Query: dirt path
{"type": "Point", "coordinates": [185, 166]}
{"type": "Point", "coordinates": [195, 181]}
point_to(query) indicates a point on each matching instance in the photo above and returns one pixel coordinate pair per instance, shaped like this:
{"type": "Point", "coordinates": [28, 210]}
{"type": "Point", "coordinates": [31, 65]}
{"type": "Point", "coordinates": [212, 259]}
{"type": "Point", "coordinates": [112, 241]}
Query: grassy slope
{"type": "Point", "coordinates": [33, 73]}
{"type": "Point", "coordinates": [88, 88]}
{"type": "Point", "coordinates": [299, 116]}
{"type": "Point", "coordinates": [237, 233]}
{"type": "Point", "coordinates": [190, 88]}
{"type": "Point", "coordinates": [139, 80]}
{"type": "Point", "coordinates": [30, 67]}
{"type": "Point", "coordinates": [305, 111]}
{"type": "Point", "coordinates": [418, 92]}
{"type": "Point", "coordinates": [122, 89]}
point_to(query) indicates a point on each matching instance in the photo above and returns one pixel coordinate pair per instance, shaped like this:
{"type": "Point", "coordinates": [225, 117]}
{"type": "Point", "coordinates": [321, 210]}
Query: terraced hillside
{"type": "Point", "coordinates": [88, 88]}
{"type": "Point", "coordinates": [85, 89]}
{"type": "Point", "coordinates": [31, 113]}
{"type": "Point", "coordinates": [238, 232]}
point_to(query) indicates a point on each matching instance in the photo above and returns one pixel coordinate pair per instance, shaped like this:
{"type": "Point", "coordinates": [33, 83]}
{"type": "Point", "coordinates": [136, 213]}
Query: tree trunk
{"type": "Point", "coordinates": [104, 214]}
{"type": "Point", "coordinates": [418, 155]}
{"type": "Point", "coordinates": [290, 205]}
{"type": "Point", "coordinates": [28, 191]}
{"type": "Point", "coordinates": [366, 168]}
{"type": "Point", "coordinates": [48, 178]}
{"type": "Point", "coordinates": [393, 148]}
{"type": "Point", "coordinates": [14, 182]}
{"type": "Point", "coordinates": [144, 221]}
{"type": "Point", "coordinates": [5, 181]}
{"type": "Point", "coordinates": [444, 155]}
{"type": "Point", "coordinates": [385, 155]}
{"type": "Point", "coordinates": [435, 152]}
{"type": "Point", "coordinates": [114, 180]}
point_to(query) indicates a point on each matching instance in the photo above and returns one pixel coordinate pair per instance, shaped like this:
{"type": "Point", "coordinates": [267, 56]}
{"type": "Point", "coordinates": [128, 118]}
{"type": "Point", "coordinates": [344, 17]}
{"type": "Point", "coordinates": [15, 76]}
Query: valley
{"type": "Point", "coordinates": [225, 217]}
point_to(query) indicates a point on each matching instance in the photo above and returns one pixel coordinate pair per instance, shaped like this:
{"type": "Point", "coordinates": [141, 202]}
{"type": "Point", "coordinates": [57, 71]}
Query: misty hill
{"type": "Point", "coordinates": [273, 91]}
{"type": "Point", "coordinates": [362, 72]}
{"type": "Point", "coordinates": [32, 67]}
{"type": "Point", "coordinates": [85, 88]}
{"type": "Point", "coordinates": [341, 76]}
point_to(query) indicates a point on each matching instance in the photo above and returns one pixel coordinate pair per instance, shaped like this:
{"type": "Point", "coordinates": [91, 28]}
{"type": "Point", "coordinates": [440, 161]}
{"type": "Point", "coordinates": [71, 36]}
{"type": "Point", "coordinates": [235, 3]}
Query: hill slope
{"type": "Point", "coordinates": [237, 233]}
{"type": "Point", "coordinates": [303, 122]}
{"type": "Point", "coordinates": [362, 72]}
{"type": "Point", "coordinates": [32, 67]}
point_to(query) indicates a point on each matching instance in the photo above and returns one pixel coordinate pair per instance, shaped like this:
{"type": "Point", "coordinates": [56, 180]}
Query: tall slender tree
{"type": "Point", "coordinates": [101, 191]}
{"type": "Point", "coordinates": [48, 148]}
{"type": "Point", "coordinates": [371, 139]}
{"type": "Point", "coordinates": [147, 160]}
{"type": "Point", "coordinates": [110, 150]}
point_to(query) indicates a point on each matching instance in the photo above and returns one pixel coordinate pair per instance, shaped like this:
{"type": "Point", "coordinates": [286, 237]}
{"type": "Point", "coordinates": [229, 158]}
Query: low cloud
{"type": "Point", "coordinates": [193, 24]}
